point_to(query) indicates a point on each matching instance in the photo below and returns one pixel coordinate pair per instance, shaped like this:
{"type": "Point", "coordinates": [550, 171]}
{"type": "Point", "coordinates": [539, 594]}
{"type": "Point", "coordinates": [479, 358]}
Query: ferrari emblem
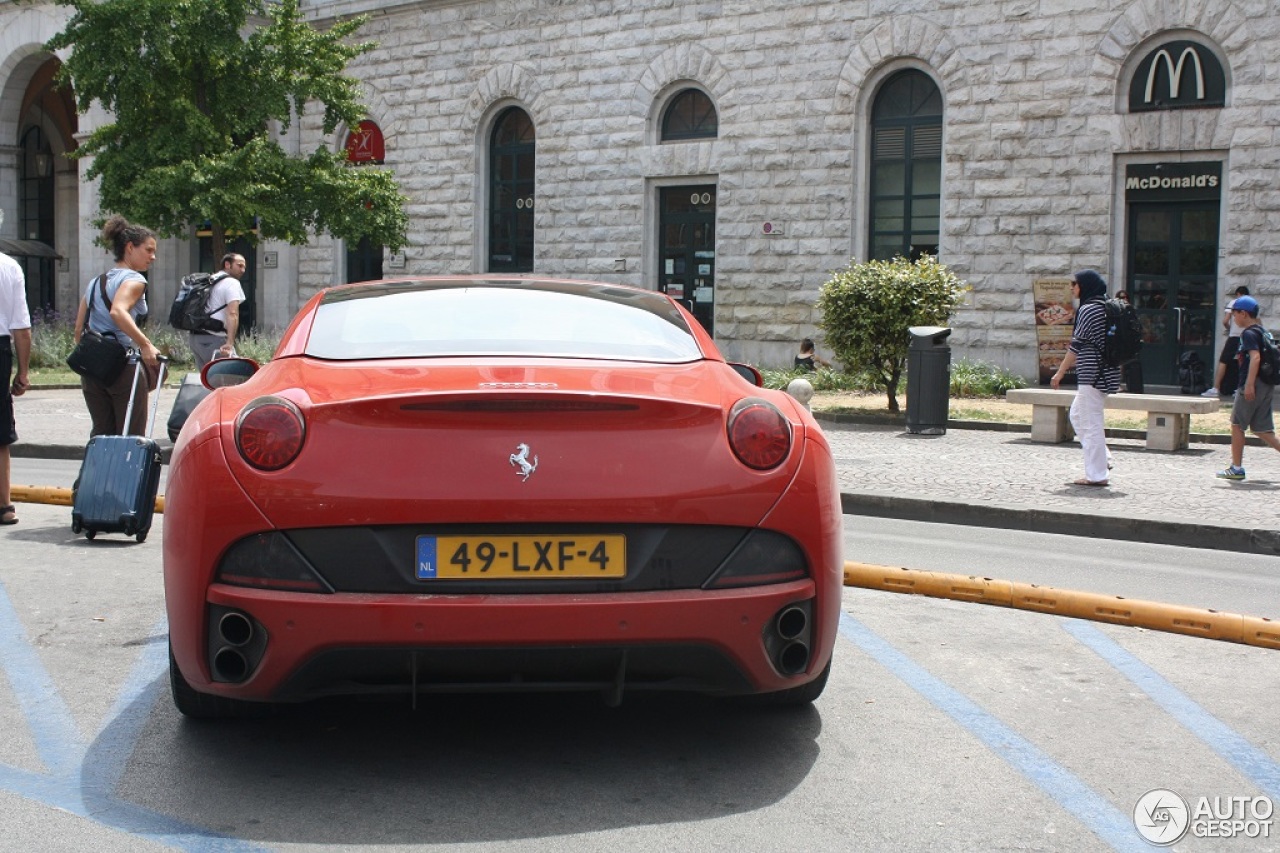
{"type": "Point", "coordinates": [520, 460]}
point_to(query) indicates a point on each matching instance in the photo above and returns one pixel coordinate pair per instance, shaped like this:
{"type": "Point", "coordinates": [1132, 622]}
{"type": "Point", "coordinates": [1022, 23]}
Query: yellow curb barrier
{"type": "Point", "coordinates": [55, 495]}
{"type": "Point", "coordinates": [1153, 615]}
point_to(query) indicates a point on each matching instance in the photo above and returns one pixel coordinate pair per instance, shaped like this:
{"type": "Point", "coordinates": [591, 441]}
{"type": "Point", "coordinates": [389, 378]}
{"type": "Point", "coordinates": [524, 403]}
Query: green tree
{"type": "Point", "coordinates": [200, 92]}
{"type": "Point", "coordinates": [867, 308]}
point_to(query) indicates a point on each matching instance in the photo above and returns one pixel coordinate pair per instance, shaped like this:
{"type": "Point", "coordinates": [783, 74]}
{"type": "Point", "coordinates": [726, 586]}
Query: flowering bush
{"type": "Point", "coordinates": [53, 338]}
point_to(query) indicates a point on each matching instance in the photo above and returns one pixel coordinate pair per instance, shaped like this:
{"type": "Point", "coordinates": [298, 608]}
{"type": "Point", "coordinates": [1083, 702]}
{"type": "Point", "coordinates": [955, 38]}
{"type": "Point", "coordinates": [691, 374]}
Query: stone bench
{"type": "Point", "coordinates": [1168, 416]}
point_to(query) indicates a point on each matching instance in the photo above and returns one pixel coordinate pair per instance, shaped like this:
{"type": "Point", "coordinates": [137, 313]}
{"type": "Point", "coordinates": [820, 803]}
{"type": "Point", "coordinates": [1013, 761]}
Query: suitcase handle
{"type": "Point", "coordinates": [133, 391]}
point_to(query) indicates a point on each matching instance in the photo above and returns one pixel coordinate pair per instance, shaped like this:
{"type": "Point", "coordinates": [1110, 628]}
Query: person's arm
{"type": "Point", "coordinates": [1254, 357]}
{"type": "Point", "coordinates": [127, 295]}
{"type": "Point", "coordinates": [82, 319]}
{"type": "Point", "coordinates": [230, 319]}
{"type": "Point", "coordinates": [1068, 362]}
{"type": "Point", "coordinates": [22, 345]}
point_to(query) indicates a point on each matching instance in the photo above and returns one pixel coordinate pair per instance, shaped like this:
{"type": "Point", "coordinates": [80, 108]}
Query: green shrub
{"type": "Point", "coordinates": [824, 379]}
{"type": "Point", "coordinates": [982, 379]}
{"type": "Point", "coordinates": [868, 307]}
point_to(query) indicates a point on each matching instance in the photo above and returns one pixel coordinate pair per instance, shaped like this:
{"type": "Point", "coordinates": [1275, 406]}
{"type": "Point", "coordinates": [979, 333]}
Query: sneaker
{"type": "Point", "coordinates": [1211, 392]}
{"type": "Point", "coordinates": [1232, 473]}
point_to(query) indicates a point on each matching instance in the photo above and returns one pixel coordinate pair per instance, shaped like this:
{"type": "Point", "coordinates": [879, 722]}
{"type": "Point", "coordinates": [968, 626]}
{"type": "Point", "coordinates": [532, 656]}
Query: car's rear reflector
{"type": "Point", "coordinates": [269, 561]}
{"type": "Point", "coordinates": [763, 557]}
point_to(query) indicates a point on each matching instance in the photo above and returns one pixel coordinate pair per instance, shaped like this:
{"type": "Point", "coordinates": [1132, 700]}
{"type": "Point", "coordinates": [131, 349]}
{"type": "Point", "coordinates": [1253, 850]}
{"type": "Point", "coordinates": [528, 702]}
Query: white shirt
{"type": "Point", "coordinates": [14, 313]}
{"type": "Point", "coordinates": [226, 290]}
{"type": "Point", "coordinates": [1235, 329]}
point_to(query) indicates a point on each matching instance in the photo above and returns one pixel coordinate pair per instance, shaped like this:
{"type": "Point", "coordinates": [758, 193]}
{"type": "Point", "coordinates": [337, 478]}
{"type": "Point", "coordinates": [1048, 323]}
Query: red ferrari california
{"type": "Point", "coordinates": [497, 483]}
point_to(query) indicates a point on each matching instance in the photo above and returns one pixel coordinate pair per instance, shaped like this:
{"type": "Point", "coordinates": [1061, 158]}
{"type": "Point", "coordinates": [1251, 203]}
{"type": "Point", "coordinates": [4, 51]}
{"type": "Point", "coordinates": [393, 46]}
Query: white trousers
{"type": "Point", "coordinates": [1086, 420]}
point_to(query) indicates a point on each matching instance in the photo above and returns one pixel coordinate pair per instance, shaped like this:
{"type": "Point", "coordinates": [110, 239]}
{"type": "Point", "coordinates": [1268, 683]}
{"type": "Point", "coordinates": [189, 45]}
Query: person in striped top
{"type": "Point", "coordinates": [1094, 379]}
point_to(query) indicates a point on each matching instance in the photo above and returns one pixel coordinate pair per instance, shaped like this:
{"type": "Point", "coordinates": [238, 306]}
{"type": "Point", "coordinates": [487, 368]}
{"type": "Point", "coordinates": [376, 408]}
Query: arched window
{"type": "Point", "coordinates": [906, 167]}
{"type": "Point", "coordinates": [511, 192]}
{"type": "Point", "coordinates": [691, 115]}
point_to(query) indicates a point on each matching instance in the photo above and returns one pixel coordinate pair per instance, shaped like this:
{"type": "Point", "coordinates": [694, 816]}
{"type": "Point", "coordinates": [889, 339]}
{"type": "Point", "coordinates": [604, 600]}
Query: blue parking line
{"type": "Point", "coordinates": [1248, 759]}
{"type": "Point", "coordinates": [57, 740]}
{"type": "Point", "coordinates": [1090, 808]}
{"type": "Point", "coordinates": [83, 782]}
{"type": "Point", "coordinates": [104, 769]}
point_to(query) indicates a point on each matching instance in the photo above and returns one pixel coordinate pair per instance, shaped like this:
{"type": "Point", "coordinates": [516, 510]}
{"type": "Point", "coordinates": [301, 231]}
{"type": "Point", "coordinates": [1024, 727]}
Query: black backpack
{"type": "Point", "coordinates": [190, 310]}
{"type": "Point", "coordinates": [1191, 374]}
{"type": "Point", "coordinates": [1269, 366]}
{"type": "Point", "coordinates": [1124, 333]}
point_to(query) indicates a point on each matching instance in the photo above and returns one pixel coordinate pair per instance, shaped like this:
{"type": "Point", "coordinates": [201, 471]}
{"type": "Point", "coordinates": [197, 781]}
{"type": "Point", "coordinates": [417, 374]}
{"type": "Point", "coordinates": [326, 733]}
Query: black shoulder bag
{"type": "Point", "coordinates": [97, 356]}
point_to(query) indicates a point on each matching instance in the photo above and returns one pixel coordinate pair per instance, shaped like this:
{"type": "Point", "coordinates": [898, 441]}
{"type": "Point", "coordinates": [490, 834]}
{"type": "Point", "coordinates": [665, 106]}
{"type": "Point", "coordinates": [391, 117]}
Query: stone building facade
{"type": "Point", "coordinates": [1054, 134]}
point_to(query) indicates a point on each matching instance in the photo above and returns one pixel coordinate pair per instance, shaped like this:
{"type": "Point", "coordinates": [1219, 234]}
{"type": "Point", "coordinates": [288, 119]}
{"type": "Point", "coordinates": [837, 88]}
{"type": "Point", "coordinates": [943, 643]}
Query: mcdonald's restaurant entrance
{"type": "Point", "coordinates": [1171, 260]}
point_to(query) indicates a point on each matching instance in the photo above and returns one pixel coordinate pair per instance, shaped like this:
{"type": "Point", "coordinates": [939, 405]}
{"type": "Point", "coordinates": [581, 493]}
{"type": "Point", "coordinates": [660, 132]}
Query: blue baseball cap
{"type": "Point", "coordinates": [1247, 304]}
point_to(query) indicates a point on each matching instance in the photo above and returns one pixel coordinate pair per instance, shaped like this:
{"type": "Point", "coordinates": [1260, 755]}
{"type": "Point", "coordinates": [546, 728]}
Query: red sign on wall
{"type": "Point", "coordinates": [365, 145]}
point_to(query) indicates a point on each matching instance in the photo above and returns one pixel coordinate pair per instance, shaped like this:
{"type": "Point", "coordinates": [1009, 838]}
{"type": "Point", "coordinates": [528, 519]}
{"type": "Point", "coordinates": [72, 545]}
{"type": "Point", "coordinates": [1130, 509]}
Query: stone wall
{"type": "Point", "coordinates": [1035, 138]}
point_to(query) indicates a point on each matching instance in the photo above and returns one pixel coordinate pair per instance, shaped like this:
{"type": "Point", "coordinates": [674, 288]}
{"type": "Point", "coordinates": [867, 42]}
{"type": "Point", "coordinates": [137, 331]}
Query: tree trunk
{"type": "Point", "coordinates": [892, 388]}
{"type": "Point", "coordinates": [218, 237]}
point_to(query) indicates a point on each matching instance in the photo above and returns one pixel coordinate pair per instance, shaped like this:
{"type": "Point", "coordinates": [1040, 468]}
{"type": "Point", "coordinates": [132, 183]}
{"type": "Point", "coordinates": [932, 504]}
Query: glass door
{"type": "Point", "coordinates": [1172, 283]}
{"type": "Point", "coordinates": [687, 249]}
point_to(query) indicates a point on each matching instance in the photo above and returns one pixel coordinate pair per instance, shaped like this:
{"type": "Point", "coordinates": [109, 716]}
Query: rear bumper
{"type": "Point", "coordinates": [722, 642]}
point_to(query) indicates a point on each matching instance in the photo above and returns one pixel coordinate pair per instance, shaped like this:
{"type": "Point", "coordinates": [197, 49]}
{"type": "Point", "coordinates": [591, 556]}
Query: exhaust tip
{"type": "Point", "coordinates": [791, 623]}
{"type": "Point", "coordinates": [793, 659]}
{"type": "Point", "coordinates": [230, 665]}
{"type": "Point", "coordinates": [235, 628]}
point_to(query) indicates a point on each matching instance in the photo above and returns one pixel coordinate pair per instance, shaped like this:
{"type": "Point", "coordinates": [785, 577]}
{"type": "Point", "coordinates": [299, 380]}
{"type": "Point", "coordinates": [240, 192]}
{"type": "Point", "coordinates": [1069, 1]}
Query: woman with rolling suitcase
{"type": "Point", "coordinates": [112, 305]}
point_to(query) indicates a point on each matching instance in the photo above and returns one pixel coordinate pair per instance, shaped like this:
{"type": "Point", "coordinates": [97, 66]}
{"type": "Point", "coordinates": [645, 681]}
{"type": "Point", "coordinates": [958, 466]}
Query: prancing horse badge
{"type": "Point", "coordinates": [520, 460]}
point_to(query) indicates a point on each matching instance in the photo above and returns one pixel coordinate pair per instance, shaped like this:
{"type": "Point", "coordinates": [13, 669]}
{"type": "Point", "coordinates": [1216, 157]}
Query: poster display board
{"type": "Point", "coordinates": [1055, 315]}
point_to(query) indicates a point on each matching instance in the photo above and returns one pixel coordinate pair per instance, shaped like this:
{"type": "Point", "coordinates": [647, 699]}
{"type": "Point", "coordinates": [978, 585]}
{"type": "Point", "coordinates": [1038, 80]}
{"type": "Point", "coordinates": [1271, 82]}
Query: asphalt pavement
{"type": "Point", "coordinates": [987, 475]}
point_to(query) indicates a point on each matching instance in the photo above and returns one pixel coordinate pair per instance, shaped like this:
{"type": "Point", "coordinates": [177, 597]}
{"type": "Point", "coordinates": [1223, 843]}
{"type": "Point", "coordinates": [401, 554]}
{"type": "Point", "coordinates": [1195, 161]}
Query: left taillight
{"type": "Point", "coordinates": [759, 433]}
{"type": "Point", "coordinates": [270, 432]}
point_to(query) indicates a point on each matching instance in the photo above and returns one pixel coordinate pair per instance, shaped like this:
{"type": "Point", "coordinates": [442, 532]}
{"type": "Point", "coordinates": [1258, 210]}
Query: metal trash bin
{"type": "Point", "coordinates": [928, 380]}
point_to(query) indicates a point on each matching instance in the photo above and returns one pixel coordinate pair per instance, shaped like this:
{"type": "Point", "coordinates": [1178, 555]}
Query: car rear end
{"type": "Point", "coordinates": [505, 522]}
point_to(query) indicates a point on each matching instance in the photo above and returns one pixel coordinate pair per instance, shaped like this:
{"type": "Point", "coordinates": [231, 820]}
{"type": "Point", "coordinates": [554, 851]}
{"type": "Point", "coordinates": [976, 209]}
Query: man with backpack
{"type": "Point", "coordinates": [217, 337]}
{"type": "Point", "coordinates": [1259, 367]}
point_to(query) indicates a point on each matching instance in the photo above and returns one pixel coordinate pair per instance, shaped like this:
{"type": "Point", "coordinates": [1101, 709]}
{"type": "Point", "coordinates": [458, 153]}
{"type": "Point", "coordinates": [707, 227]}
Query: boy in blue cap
{"type": "Point", "coordinates": [1252, 406]}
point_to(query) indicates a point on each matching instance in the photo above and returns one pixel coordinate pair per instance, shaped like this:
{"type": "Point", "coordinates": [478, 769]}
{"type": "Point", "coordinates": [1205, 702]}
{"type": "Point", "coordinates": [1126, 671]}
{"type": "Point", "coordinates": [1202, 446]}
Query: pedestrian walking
{"type": "Point", "coordinates": [1094, 379]}
{"type": "Point", "coordinates": [1226, 376]}
{"type": "Point", "coordinates": [15, 339]}
{"type": "Point", "coordinates": [227, 294]}
{"type": "Point", "coordinates": [111, 305]}
{"type": "Point", "coordinates": [1252, 406]}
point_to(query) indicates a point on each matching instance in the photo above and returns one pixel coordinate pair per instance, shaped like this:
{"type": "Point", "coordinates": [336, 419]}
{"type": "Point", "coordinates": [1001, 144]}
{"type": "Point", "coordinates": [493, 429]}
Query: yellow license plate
{"type": "Point", "coordinates": [521, 557]}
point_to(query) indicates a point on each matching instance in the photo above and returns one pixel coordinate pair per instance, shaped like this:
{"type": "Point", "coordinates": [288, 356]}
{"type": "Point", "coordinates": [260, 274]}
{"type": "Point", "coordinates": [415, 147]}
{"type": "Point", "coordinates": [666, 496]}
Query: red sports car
{"type": "Point", "coordinates": [497, 483]}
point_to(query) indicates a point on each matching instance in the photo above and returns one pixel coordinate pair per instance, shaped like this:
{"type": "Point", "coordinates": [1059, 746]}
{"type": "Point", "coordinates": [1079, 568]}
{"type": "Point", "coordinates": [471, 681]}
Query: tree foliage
{"type": "Point", "coordinates": [200, 92]}
{"type": "Point", "coordinates": [868, 307]}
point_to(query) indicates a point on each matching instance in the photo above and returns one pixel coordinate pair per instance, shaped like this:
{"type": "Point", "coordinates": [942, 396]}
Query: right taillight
{"type": "Point", "coordinates": [759, 433]}
{"type": "Point", "coordinates": [270, 432]}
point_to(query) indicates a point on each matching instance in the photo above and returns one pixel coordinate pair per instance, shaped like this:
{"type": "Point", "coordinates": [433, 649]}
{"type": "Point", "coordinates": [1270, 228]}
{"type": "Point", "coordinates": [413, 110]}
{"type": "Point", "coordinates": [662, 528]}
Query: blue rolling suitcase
{"type": "Point", "coordinates": [119, 478]}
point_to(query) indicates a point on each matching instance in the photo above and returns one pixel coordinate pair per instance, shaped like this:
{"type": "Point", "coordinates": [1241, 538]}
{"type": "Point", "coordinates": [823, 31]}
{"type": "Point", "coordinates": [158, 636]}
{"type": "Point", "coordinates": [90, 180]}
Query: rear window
{"type": "Point", "coordinates": [478, 318]}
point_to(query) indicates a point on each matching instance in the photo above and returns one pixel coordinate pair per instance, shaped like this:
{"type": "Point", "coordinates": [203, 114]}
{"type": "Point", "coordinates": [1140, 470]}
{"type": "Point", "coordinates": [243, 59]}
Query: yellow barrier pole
{"type": "Point", "coordinates": [1117, 610]}
{"type": "Point", "coordinates": [54, 495]}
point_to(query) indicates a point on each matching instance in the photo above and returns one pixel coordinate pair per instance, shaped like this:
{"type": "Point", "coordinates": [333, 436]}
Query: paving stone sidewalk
{"type": "Point", "coordinates": [983, 477]}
